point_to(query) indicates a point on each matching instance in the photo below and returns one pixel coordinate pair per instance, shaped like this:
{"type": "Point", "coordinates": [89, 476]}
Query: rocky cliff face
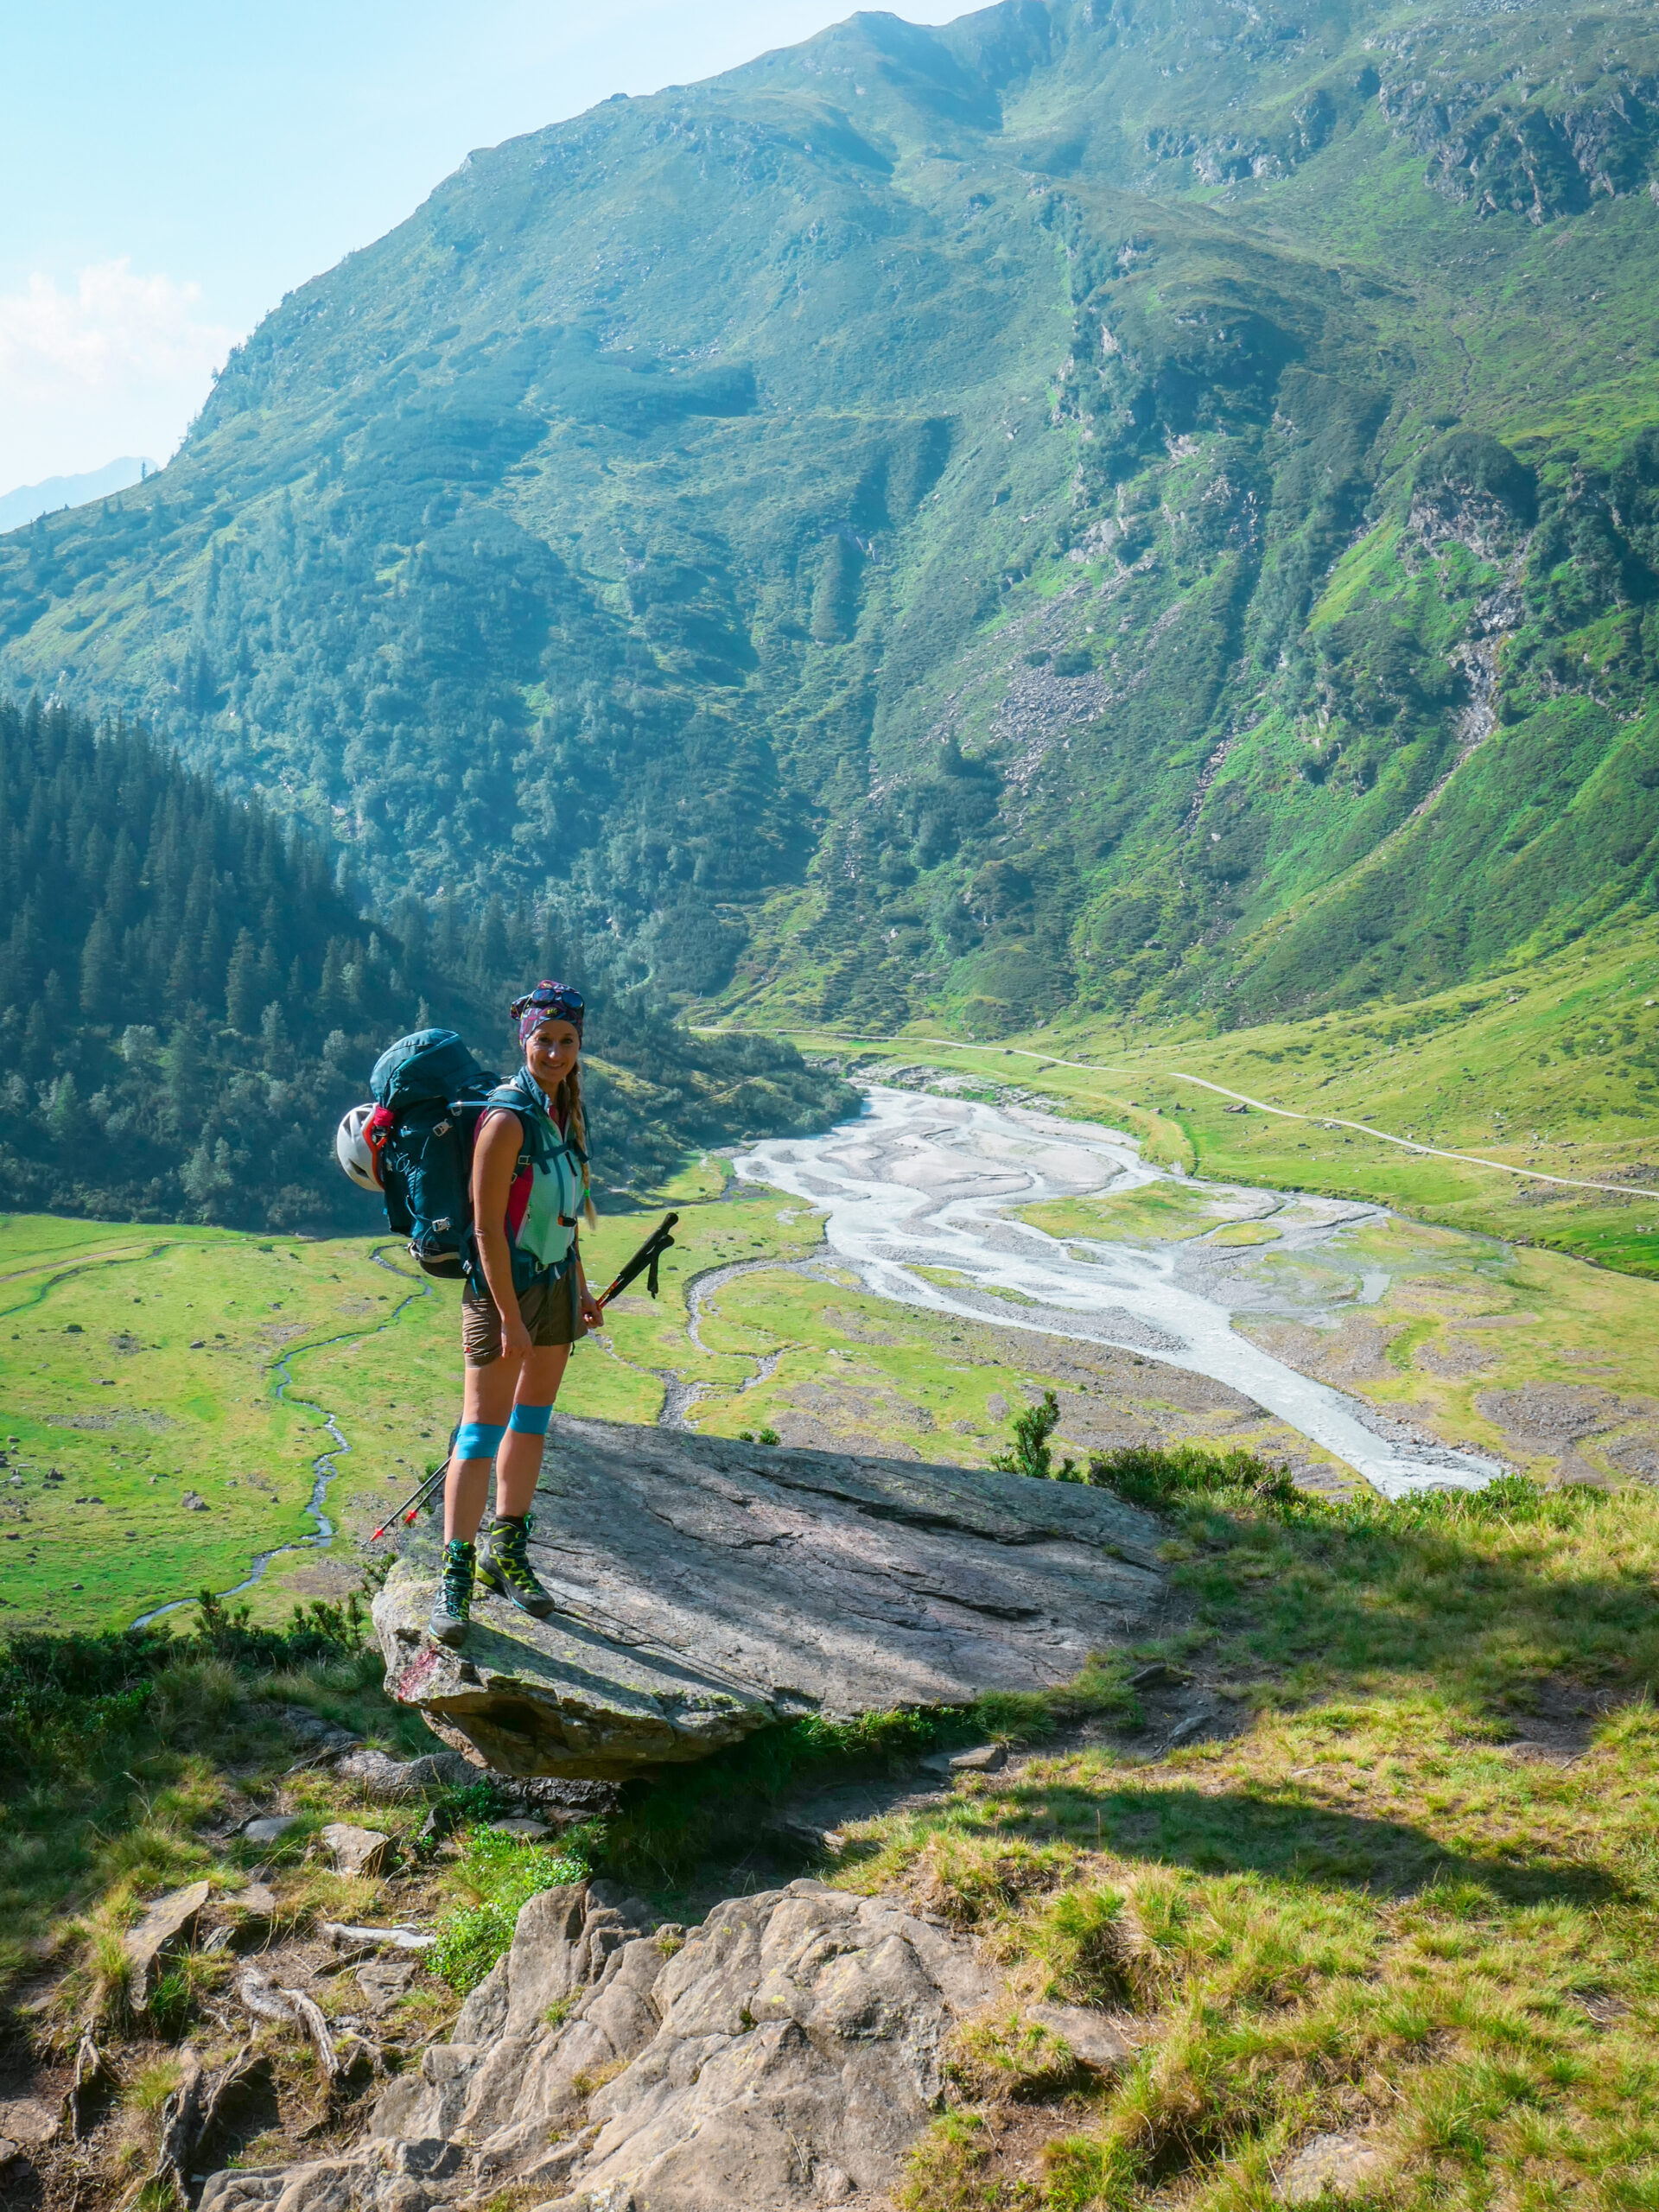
{"type": "Point", "coordinates": [785, 2054]}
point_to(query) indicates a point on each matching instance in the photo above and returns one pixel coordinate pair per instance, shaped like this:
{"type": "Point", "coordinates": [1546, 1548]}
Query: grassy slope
{"type": "Point", "coordinates": [1364, 1913]}
{"type": "Point", "coordinates": [1406, 1889]}
{"type": "Point", "coordinates": [659, 584]}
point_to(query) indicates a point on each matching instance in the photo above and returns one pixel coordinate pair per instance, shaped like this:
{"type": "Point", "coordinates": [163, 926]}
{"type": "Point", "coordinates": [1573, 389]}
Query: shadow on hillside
{"type": "Point", "coordinates": [1284, 1836]}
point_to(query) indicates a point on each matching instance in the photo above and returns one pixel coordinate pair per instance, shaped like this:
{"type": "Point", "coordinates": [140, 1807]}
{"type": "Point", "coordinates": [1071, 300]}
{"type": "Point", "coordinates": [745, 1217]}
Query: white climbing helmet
{"type": "Point", "coordinates": [354, 1152]}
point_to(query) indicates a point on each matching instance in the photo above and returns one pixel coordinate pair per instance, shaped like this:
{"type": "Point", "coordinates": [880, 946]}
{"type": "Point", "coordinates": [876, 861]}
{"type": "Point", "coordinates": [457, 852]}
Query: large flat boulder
{"type": "Point", "coordinates": [707, 1588]}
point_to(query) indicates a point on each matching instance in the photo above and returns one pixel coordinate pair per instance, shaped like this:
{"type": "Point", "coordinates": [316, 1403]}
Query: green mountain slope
{"type": "Point", "coordinates": [1113, 504]}
{"type": "Point", "coordinates": [188, 1003]}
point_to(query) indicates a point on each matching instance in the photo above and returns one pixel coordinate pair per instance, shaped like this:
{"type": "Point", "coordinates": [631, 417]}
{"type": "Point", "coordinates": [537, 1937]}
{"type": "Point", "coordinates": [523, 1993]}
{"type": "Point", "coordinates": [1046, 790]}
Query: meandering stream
{"type": "Point", "coordinates": [922, 1181]}
{"type": "Point", "coordinates": [324, 1467]}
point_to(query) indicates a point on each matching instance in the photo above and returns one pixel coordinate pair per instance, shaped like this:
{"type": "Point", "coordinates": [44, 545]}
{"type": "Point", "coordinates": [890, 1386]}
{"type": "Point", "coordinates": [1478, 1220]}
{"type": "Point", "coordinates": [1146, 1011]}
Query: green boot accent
{"type": "Point", "coordinates": [505, 1567]}
{"type": "Point", "coordinates": [453, 1605]}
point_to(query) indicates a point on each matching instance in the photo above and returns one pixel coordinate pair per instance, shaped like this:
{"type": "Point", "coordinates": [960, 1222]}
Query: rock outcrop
{"type": "Point", "coordinates": [785, 2054]}
{"type": "Point", "coordinates": [707, 1588]}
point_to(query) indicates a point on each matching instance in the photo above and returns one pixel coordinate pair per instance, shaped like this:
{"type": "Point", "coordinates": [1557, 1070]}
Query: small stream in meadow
{"type": "Point", "coordinates": [922, 1186]}
{"type": "Point", "coordinates": [324, 1467]}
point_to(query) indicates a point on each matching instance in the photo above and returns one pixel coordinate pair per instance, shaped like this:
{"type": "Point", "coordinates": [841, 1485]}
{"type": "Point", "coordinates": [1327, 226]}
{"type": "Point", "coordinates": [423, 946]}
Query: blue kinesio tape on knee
{"type": "Point", "coordinates": [477, 1440]}
{"type": "Point", "coordinates": [530, 1420]}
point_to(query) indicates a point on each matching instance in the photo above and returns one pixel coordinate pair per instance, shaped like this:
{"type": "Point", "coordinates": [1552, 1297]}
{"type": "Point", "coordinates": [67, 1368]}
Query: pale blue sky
{"type": "Point", "coordinates": [171, 169]}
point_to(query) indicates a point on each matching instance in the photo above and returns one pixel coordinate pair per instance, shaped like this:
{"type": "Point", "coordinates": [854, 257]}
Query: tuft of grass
{"type": "Point", "coordinates": [150, 2085]}
{"type": "Point", "coordinates": [498, 1874]}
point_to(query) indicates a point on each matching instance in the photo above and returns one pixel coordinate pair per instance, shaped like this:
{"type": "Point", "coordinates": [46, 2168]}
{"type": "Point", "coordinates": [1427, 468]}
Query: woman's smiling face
{"type": "Point", "coordinates": [551, 1052]}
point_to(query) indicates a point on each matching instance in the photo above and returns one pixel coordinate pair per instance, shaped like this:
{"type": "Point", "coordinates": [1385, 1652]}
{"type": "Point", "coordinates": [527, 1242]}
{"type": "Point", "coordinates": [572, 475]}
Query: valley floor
{"type": "Point", "coordinates": [168, 1391]}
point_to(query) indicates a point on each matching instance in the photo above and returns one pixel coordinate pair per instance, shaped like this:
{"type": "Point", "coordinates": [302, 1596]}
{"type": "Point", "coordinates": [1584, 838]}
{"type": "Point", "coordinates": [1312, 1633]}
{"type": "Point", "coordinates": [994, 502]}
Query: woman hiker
{"type": "Point", "coordinates": [526, 1302]}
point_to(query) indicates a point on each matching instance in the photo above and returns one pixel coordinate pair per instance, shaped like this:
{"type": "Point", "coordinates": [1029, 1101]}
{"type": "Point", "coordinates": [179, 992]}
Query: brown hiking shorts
{"type": "Point", "coordinates": [550, 1311]}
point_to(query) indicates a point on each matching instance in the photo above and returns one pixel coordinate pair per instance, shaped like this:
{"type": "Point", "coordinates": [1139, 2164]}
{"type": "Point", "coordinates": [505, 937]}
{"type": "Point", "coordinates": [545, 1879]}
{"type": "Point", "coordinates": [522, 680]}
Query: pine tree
{"type": "Point", "coordinates": [242, 986]}
{"type": "Point", "coordinates": [100, 969]}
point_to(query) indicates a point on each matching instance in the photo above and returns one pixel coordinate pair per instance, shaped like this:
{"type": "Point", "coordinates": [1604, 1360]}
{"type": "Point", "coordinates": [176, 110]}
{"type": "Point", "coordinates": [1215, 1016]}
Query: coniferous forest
{"type": "Point", "coordinates": [189, 999]}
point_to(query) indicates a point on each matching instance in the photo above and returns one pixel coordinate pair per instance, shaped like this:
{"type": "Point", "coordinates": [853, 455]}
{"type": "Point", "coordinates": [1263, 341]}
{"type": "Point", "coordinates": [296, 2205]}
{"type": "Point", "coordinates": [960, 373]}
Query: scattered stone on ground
{"type": "Point", "coordinates": [346, 1938]}
{"type": "Point", "coordinates": [386, 1780]}
{"type": "Point", "coordinates": [383, 1981]}
{"type": "Point", "coordinates": [167, 1925]}
{"type": "Point", "coordinates": [270, 1828]}
{"type": "Point", "coordinates": [28, 2122]}
{"type": "Point", "coordinates": [257, 1994]}
{"type": "Point", "coordinates": [355, 1851]}
{"type": "Point", "coordinates": [194, 1502]}
{"type": "Point", "coordinates": [1202, 1723]}
{"type": "Point", "coordinates": [328, 1739]}
{"type": "Point", "coordinates": [527, 1830]}
{"type": "Point", "coordinates": [1338, 2166]}
{"type": "Point", "coordinates": [8, 2150]}
{"type": "Point", "coordinates": [983, 1758]}
{"type": "Point", "coordinates": [707, 1589]}
{"type": "Point", "coordinates": [785, 2054]}
{"type": "Point", "coordinates": [1089, 2036]}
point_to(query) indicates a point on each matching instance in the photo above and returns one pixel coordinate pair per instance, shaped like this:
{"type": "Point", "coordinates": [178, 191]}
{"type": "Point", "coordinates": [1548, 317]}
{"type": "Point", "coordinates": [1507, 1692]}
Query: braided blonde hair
{"type": "Point", "coordinates": [567, 1104]}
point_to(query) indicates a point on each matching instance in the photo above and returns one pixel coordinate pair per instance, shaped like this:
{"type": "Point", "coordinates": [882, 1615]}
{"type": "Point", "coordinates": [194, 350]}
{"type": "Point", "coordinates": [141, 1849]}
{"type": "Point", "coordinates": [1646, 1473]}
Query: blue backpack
{"type": "Point", "coordinates": [430, 1093]}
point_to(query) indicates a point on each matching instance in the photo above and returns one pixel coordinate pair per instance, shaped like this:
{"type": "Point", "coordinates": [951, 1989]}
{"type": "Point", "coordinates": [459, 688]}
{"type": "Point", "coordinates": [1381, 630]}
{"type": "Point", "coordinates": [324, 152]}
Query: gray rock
{"type": "Point", "coordinates": [1189, 1730]}
{"type": "Point", "coordinates": [383, 1982]}
{"type": "Point", "coordinates": [356, 1851]}
{"type": "Point", "coordinates": [802, 2016]}
{"type": "Point", "coordinates": [387, 1781]}
{"type": "Point", "coordinates": [345, 1937]}
{"type": "Point", "coordinates": [984, 1758]}
{"type": "Point", "coordinates": [167, 1925]}
{"type": "Point", "coordinates": [706, 1591]}
{"type": "Point", "coordinates": [257, 1993]}
{"type": "Point", "coordinates": [785, 2054]}
{"type": "Point", "coordinates": [28, 2121]}
{"type": "Point", "coordinates": [327, 1738]}
{"type": "Point", "coordinates": [1089, 2036]}
{"type": "Point", "coordinates": [1340, 2165]}
{"type": "Point", "coordinates": [270, 1827]}
{"type": "Point", "coordinates": [8, 2150]}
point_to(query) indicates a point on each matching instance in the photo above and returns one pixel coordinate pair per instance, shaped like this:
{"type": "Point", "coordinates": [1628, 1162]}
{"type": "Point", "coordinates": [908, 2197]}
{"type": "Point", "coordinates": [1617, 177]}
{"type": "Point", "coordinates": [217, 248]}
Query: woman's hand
{"type": "Point", "coordinates": [592, 1313]}
{"type": "Point", "coordinates": [515, 1337]}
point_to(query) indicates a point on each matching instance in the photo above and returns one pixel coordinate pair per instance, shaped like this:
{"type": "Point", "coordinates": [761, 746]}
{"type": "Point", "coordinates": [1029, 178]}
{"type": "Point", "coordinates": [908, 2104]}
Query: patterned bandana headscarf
{"type": "Point", "coordinates": [547, 1002]}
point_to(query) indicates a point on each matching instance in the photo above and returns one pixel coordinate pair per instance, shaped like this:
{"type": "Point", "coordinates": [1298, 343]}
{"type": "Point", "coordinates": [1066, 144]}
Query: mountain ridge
{"type": "Point", "coordinates": [1110, 505]}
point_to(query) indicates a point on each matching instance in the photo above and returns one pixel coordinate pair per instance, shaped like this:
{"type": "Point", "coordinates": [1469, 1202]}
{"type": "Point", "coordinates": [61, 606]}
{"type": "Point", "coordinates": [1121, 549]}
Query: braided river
{"type": "Point", "coordinates": [922, 1195]}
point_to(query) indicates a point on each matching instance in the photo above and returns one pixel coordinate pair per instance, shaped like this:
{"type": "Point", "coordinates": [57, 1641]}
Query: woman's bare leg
{"type": "Point", "coordinates": [518, 1463]}
{"type": "Point", "coordinates": [487, 1393]}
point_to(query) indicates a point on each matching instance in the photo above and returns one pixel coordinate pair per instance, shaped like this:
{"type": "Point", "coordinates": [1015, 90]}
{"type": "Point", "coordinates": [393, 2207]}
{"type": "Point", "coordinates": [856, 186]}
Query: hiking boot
{"type": "Point", "coordinates": [505, 1567]}
{"type": "Point", "coordinates": [452, 1607]}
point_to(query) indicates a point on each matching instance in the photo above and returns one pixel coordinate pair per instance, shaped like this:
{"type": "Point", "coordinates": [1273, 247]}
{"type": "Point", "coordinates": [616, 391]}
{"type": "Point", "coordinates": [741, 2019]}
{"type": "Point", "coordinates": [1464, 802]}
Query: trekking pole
{"type": "Point", "coordinates": [648, 1257]}
{"type": "Point", "coordinates": [412, 1504]}
{"type": "Point", "coordinates": [646, 1262]}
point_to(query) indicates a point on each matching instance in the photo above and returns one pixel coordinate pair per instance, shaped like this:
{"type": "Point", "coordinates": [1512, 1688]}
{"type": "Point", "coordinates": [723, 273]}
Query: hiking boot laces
{"type": "Point", "coordinates": [507, 1568]}
{"type": "Point", "coordinates": [456, 1582]}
